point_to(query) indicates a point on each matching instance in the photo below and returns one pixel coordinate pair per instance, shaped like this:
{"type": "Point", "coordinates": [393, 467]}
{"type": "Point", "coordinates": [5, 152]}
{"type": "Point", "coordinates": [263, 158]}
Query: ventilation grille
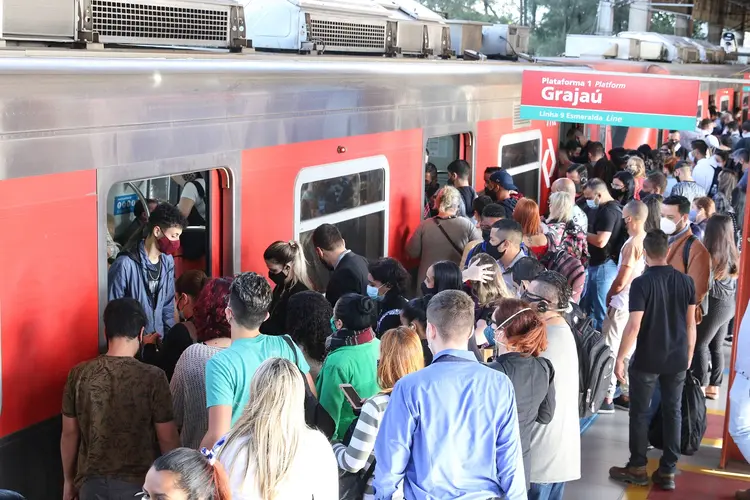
{"type": "Point", "coordinates": [340, 34]}
{"type": "Point", "coordinates": [519, 122]}
{"type": "Point", "coordinates": [155, 22]}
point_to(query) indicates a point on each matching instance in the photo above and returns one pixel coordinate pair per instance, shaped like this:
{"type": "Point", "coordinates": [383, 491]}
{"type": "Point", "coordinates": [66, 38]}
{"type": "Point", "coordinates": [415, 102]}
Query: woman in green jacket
{"type": "Point", "coordinates": [351, 358]}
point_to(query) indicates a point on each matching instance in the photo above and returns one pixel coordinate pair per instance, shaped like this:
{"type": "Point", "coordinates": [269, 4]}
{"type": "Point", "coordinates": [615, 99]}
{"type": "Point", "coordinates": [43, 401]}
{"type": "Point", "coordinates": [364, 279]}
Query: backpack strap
{"type": "Point", "coordinates": [445, 233]}
{"type": "Point", "coordinates": [199, 188]}
{"type": "Point", "coordinates": [686, 251]}
{"type": "Point", "coordinates": [289, 342]}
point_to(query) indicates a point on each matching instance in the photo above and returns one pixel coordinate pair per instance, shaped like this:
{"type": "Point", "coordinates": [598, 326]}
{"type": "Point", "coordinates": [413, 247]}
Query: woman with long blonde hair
{"type": "Point", "coordinates": [485, 295]}
{"type": "Point", "coordinates": [287, 269]}
{"type": "Point", "coordinates": [270, 453]}
{"type": "Point", "coordinates": [400, 355]}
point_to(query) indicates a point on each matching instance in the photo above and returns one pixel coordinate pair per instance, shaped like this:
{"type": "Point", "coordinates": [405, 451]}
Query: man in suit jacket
{"type": "Point", "coordinates": [349, 270]}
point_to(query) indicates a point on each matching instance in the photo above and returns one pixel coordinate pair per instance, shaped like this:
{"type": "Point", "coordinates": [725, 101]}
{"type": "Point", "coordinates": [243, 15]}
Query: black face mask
{"type": "Point", "coordinates": [486, 234]}
{"type": "Point", "coordinates": [496, 253]}
{"type": "Point", "coordinates": [278, 278]}
{"type": "Point", "coordinates": [579, 188]}
{"type": "Point", "coordinates": [426, 290]}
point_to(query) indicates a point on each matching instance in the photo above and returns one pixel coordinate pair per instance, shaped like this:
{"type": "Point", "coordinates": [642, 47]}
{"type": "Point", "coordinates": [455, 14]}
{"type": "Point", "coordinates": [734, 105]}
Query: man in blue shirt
{"type": "Point", "coordinates": [451, 429]}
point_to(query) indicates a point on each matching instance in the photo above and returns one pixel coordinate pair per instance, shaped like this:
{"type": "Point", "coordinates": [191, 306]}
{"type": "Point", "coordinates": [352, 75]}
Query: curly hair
{"type": "Point", "coordinates": [166, 216]}
{"type": "Point", "coordinates": [391, 273]}
{"type": "Point", "coordinates": [526, 333]}
{"type": "Point", "coordinates": [308, 322]}
{"type": "Point", "coordinates": [208, 314]}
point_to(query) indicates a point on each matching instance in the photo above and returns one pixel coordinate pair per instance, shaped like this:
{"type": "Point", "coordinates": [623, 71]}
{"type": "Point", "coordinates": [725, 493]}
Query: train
{"type": "Point", "coordinates": [85, 134]}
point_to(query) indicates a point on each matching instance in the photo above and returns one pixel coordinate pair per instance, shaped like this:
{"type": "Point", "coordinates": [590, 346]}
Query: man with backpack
{"type": "Point", "coordinates": [506, 237]}
{"type": "Point", "coordinates": [662, 328]}
{"type": "Point", "coordinates": [556, 446]}
{"type": "Point", "coordinates": [629, 267]}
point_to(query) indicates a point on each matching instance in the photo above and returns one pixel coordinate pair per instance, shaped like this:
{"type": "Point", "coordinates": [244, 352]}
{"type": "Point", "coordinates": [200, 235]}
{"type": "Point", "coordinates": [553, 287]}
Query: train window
{"type": "Point", "coordinates": [129, 205]}
{"type": "Point", "coordinates": [441, 151]}
{"type": "Point", "coordinates": [351, 195]}
{"type": "Point", "coordinates": [699, 112]}
{"type": "Point", "coordinates": [724, 103]}
{"type": "Point", "coordinates": [520, 155]}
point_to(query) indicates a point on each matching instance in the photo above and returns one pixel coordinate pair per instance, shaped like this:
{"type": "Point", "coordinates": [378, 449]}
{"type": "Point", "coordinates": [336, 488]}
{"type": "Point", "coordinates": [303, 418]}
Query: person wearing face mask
{"type": "Point", "coordinates": [486, 293]}
{"type": "Point", "coordinates": [388, 283]}
{"type": "Point", "coordinates": [192, 206]}
{"type": "Point", "coordinates": [524, 272]}
{"type": "Point", "coordinates": [605, 237]}
{"type": "Point", "coordinates": [506, 191]}
{"type": "Point", "coordinates": [287, 269]}
{"type": "Point", "coordinates": [352, 353]}
{"type": "Point", "coordinates": [686, 252]}
{"type": "Point", "coordinates": [623, 187]}
{"type": "Point", "coordinates": [506, 236]}
{"type": "Point", "coordinates": [414, 316]}
{"type": "Point", "coordinates": [434, 412]}
{"type": "Point", "coordinates": [522, 334]}
{"type": "Point", "coordinates": [459, 172]}
{"type": "Point", "coordinates": [146, 272]}
{"type": "Point", "coordinates": [561, 221]}
{"type": "Point", "coordinates": [655, 183]}
{"type": "Point", "coordinates": [183, 334]}
{"type": "Point", "coordinates": [686, 186]}
{"type": "Point", "coordinates": [556, 446]}
{"type": "Point", "coordinates": [348, 270]}
{"type": "Point", "coordinates": [491, 214]}
{"type": "Point", "coordinates": [565, 185]}
{"type": "Point", "coordinates": [700, 211]}
{"type": "Point", "coordinates": [703, 172]}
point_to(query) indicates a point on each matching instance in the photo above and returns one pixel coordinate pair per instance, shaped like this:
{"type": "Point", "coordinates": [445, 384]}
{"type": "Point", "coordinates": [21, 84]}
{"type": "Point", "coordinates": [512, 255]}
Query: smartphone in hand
{"type": "Point", "coordinates": [351, 395]}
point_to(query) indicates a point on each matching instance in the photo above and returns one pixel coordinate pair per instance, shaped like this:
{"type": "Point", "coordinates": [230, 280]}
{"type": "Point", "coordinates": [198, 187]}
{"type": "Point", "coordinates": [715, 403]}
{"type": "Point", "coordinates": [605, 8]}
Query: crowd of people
{"type": "Point", "coordinates": [463, 384]}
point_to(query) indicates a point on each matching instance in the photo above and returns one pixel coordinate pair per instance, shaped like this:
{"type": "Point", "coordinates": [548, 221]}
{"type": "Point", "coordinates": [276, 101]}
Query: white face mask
{"type": "Point", "coordinates": [667, 226]}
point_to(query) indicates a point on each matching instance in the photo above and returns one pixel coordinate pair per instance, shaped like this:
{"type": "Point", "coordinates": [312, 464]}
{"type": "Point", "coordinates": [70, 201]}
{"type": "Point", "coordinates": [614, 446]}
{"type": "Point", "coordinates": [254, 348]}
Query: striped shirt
{"type": "Point", "coordinates": [359, 454]}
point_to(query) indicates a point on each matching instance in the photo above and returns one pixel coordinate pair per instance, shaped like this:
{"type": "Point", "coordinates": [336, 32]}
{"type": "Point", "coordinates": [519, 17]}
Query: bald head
{"type": "Point", "coordinates": [637, 210]}
{"type": "Point", "coordinates": [564, 185]}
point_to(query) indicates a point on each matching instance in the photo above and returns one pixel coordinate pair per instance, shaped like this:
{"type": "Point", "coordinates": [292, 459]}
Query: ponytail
{"type": "Point", "coordinates": [198, 473]}
{"type": "Point", "coordinates": [290, 253]}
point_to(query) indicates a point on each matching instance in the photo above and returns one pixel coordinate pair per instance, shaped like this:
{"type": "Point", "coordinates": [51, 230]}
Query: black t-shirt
{"type": "Point", "coordinates": [663, 294]}
{"type": "Point", "coordinates": [607, 218]}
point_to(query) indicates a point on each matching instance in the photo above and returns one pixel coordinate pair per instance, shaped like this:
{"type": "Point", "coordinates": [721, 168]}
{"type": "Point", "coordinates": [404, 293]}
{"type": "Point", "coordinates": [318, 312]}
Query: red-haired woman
{"type": "Point", "coordinates": [188, 383]}
{"type": "Point", "coordinates": [520, 331]}
{"type": "Point", "coordinates": [526, 213]}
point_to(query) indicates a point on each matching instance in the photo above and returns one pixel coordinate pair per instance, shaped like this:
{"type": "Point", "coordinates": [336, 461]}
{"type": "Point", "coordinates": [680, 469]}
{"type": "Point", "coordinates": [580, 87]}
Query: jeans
{"type": "Point", "coordinates": [108, 488]}
{"type": "Point", "coordinates": [710, 339]}
{"type": "Point", "coordinates": [599, 280]}
{"type": "Point", "coordinates": [641, 388]}
{"type": "Point", "coordinates": [739, 413]}
{"type": "Point", "coordinates": [546, 491]}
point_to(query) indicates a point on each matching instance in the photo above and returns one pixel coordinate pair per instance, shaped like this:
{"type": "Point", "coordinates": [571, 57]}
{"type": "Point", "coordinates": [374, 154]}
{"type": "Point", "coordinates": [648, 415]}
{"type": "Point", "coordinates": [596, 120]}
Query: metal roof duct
{"type": "Point", "coordinates": [391, 27]}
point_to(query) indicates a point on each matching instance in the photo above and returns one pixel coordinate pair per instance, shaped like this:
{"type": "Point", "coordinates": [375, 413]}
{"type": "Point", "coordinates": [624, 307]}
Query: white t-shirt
{"type": "Point", "coordinates": [621, 300]}
{"type": "Point", "coordinates": [556, 447]}
{"type": "Point", "coordinates": [190, 192]}
{"type": "Point", "coordinates": [314, 473]}
{"type": "Point", "coordinates": [703, 173]}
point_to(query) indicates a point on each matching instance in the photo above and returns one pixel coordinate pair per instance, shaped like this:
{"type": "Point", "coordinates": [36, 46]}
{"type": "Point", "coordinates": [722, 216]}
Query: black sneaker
{"type": "Point", "coordinates": [622, 402]}
{"type": "Point", "coordinates": [606, 407]}
{"type": "Point", "coordinates": [664, 481]}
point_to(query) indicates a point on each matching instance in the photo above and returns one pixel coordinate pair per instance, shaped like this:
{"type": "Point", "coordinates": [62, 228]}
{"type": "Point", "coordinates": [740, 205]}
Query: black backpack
{"type": "Point", "coordinates": [315, 415]}
{"type": "Point", "coordinates": [352, 486]}
{"type": "Point", "coordinates": [693, 418]}
{"type": "Point", "coordinates": [595, 363]}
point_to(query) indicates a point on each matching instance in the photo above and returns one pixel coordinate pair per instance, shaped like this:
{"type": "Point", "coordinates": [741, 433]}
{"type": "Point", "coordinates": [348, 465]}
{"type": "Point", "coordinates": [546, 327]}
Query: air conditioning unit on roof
{"type": "Point", "coordinates": [389, 27]}
{"type": "Point", "coordinates": [678, 50]}
{"type": "Point", "coordinates": [181, 23]}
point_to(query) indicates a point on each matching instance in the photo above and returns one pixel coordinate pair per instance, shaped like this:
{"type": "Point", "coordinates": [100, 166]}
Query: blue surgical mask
{"type": "Point", "coordinates": [693, 214]}
{"type": "Point", "coordinates": [591, 203]}
{"type": "Point", "coordinates": [489, 334]}
{"type": "Point", "coordinates": [372, 292]}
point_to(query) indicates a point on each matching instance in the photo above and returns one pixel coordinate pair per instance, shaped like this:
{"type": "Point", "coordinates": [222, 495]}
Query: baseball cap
{"type": "Point", "coordinates": [504, 179]}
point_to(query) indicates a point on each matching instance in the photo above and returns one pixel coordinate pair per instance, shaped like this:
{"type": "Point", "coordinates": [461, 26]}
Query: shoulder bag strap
{"type": "Point", "coordinates": [289, 342]}
{"type": "Point", "coordinates": [686, 250]}
{"type": "Point", "coordinates": [199, 188]}
{"type": "Point", "coordinates": [442, 230]}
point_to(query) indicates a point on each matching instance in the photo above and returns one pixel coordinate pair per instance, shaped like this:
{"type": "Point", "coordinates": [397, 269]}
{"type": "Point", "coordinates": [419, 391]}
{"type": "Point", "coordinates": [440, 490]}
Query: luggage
{"type": "Point", "coordinates": [694, 420]}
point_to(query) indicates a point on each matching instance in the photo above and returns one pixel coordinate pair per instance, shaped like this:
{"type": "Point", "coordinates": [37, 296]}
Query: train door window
{"type": "Point", "coordinates": [351, 195]}
{"type": "Point", "coordinates": [724, 103]}
{"type": "Point", "coordinates": [441, 151]}
{"type": "Point", "coordinates": [520, 154]}
{"type": "Point", "coordinates": [130, 203]}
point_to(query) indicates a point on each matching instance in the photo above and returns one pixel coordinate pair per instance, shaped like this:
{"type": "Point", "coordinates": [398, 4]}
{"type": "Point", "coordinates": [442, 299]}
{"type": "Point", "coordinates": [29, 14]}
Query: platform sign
{"type": "Point", "coordinates": [620, 100]}
{"type": "Point", "coordinates": [125, 203]}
